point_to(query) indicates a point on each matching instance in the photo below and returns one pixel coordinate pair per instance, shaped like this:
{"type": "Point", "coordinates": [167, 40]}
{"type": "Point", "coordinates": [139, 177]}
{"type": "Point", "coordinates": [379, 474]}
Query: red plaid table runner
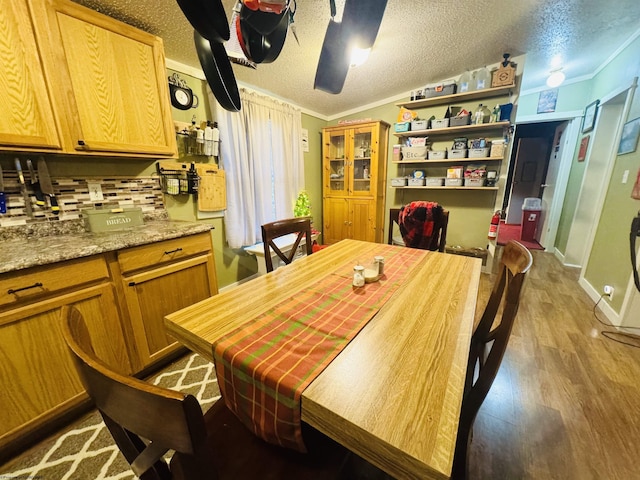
{"type": "Point", "coordinates": [264, 366]}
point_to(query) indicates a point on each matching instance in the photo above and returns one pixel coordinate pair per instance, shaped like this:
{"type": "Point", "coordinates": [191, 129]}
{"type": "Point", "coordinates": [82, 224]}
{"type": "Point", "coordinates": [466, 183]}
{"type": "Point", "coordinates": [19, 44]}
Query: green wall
{"type": "Point", "coordinates": [609, 261]}
{"type": "Point", "coordinates": [469, 211]}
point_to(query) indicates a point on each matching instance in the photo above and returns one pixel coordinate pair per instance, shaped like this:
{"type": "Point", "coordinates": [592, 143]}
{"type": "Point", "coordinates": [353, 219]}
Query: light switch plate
{"type": "Point", "coordinates": [95, 192]}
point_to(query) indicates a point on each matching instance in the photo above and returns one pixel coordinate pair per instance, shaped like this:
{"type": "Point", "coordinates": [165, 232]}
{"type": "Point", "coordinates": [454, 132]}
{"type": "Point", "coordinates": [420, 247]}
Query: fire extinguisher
{"type": "Point", "coordinates": [493, 227]}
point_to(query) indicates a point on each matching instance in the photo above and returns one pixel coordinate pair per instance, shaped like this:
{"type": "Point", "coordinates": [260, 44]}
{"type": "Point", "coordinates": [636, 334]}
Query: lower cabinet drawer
{"type": "Point", "coordinates": [33, 283]}
{"type": "Point", "coordinates": [167, 251]}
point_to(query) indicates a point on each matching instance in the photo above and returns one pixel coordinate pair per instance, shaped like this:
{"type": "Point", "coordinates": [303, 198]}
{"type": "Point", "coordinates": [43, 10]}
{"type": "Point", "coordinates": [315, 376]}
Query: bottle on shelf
{"type": "Point", "coordinates": [465, 82]}
{"type": "Point", "coordinates": [495, 114]}
{"type": "Point", "coordinates": [482, 79]}
{"type": "Point", "coordinates": [478, 116]}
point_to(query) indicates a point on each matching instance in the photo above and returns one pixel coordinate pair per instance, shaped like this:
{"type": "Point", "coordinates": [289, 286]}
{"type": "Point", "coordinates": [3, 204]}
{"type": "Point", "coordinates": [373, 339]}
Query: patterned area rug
{"type": "Point", "coordinates": [85, 450]}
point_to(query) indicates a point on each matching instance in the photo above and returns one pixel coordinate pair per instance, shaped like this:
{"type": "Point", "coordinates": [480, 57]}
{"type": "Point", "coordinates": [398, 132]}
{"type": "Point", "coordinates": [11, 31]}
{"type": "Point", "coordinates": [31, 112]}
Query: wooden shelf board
{"type": "Point", "coordinates": [458, 97]}
{"type": "Point", "coordinates": [450, 160]}
{"type": "Point", "coordinates": [452, 130]}
{"type": "Point", "coordinates": [448, 188]}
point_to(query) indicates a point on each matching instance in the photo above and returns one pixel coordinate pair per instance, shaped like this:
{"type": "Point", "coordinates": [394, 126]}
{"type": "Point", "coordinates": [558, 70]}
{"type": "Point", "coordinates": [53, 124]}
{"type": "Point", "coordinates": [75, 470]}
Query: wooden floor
{"type": "Point", "coordinates": [566, 401]}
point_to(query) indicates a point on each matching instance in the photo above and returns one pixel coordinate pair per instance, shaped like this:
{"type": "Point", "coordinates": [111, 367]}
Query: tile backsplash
{"type": "Point", "coordinates": [73, 195]}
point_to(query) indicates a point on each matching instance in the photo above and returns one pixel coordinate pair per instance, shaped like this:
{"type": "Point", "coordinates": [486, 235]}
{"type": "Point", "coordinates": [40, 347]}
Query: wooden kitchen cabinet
{"type": "Point", "coordinates": [159, 279]}
{"type": "Point", "coordinates": [27, 119]}
{"type": "Point", "coordinates": [40, 382]}
{"type": "Point", "coordinates": [349, 218]}
{"type": "Point", "coordinates": [108, 80]}
{"type": "Point", "coordinates": [354, 178]}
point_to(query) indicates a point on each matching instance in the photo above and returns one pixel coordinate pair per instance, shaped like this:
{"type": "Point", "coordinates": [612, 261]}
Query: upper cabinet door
{"type": "Point", "coordinates": [114, 78]}
{"type": "Point", "coordinates": [26, 114]}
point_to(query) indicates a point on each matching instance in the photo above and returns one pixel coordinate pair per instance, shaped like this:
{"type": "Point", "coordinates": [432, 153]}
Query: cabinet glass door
{"type": "Point", "coordinates": [362, 164]}
{"type": "Point", "coordinates": [336, 163]}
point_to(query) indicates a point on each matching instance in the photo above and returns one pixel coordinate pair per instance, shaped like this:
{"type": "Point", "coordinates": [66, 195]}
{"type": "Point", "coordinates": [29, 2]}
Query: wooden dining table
{"type": "Point", "coordinates": [393, 394]}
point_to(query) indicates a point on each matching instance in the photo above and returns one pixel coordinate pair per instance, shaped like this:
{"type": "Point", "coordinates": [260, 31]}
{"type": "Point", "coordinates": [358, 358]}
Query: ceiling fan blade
{"type": "Point", "coordinates": [361, 21]}
{"type": "Point", "coordinates": [334, 61]}
{"type": "Point", "coordinates": [360, 24]}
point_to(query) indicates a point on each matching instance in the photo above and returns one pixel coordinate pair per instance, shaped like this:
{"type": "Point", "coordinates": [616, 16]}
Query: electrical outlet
{"type": "Point", "coordinates": [608, 291]}
{"type": "Point", "coordinates": [95, 192]}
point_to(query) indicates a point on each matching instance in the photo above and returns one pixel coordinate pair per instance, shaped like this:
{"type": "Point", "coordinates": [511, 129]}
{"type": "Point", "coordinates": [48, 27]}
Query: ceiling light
{"type": "Point", "coordinates": [359, 56]}
{"type": "Point", "coordinates": [555, 79]}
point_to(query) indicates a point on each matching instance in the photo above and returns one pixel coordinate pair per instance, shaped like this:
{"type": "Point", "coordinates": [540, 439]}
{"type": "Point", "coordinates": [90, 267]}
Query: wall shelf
{"type": "Point", "coordinates": [458, 97]}
{"type": "Point", "coordinates": [450, 131]}
{"type": "Point", "coordinates": [445, 188]}
{"type": "Point", "coordinates": [449, 160]}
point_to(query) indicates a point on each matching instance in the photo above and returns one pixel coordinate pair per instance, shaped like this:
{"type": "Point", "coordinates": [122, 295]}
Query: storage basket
{"type": "Point", "coordinates": [416, 182]}
{"type": "Point", "coordinates": [437, 154]}
{"type": "Point", "coordinates": [402, 127]}
{"type": "Point", "coordinates": [414, 153]}
{"type": "Point", "coordinates": [453, 182]}
{"type": "Point", "coordinates": [399, 182]}
{"type": "Point", "coordinates": [458, 153]}
{"type": "Point", "coordinates": [474, 182]}
{"type": "Point", "coordinates": [440, 89]}
{"type": "Point", "coordinates": [440, 123]}
{"type": "Point", "coordinates": [460, 121]}
{"type": "Point", "coordinates": [478, 152]}
{"type": "Point", "coordinates": [419, 125]}
{"type": "Point", "coordinates": [434, 181]}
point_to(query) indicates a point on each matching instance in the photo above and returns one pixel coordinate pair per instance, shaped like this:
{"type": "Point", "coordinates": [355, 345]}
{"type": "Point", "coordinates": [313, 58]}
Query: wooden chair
{"type": "Point", "coordinates": [489, 343]}
{"type": "Point", "coordinates": [210, 446]}
{"type": "Point", "coordinates": [439, 239]}
{"type": "Point", "coordinates": [279, 228]}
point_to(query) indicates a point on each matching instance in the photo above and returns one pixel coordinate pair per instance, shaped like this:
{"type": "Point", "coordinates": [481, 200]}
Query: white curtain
{"type": "Point", "coordinates": [261, 152]}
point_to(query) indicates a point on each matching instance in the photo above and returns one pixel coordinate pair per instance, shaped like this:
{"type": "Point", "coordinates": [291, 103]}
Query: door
{"type": "Point", "coordinates": [592, 191]}
{"type": "Point", "coordinates": [361, 221]}
{"type": "Point", "coordinates": [549, 185]}
{"type": "Point", "coordinates": [336, 220]}
{"type": "Point", "coordinates": [153, 294]}
{"type": "Point", "coordinates": [27, 118]}
{"type": "Point", "coordinates": [531, 162]}
{"type": "Point", "coordinates": [113, 76]}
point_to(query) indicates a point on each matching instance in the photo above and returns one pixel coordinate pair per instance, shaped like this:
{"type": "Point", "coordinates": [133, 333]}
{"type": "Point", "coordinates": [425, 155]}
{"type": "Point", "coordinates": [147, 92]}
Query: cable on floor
{"type": "Point", "coordinates": [611, 334]}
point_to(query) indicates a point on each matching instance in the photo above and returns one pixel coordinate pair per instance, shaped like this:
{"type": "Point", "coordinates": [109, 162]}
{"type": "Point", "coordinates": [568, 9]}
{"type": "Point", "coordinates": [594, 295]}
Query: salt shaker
{"type": "Point", "coordinates": [379, 260]}
{"type": "Point", "coordinates": [358, 276]}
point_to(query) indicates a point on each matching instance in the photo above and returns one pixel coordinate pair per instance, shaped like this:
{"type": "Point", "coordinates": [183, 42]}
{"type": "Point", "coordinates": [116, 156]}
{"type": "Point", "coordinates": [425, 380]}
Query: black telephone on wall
{"type": "Point", "coordinates": [635, 233]}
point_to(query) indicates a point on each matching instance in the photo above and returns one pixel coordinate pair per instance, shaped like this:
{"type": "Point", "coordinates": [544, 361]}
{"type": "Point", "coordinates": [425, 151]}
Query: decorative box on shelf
{"type": "Point", "coordinates": [438, 90]}
{"type": "Point", "coordinates": [437, 154]}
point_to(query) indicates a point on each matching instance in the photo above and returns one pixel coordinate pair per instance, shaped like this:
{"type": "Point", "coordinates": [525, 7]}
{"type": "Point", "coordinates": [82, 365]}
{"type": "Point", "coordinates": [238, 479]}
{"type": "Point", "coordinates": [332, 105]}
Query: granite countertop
{"type": "Point", "coordinates": [68, 240]}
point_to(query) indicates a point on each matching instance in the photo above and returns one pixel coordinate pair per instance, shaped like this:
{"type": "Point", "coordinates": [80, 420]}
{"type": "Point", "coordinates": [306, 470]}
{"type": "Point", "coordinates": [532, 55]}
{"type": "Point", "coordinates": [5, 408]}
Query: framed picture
{"type": "Point", "coordinates": [547, 101]}
{"type": "Point", "coordinates": [584, 145]}
{"type": "Point", "coordinates": [590, 116]}
{"type": "Point", "coordinates": [629, 138]}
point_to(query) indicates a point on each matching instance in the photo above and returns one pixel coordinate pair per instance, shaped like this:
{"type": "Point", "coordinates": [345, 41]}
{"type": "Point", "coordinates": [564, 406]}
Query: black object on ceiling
{"type": "Point", "coordinates": [361, 21]}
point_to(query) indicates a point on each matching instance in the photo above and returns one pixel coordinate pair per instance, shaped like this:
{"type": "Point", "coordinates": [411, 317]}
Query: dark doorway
{"type": "Point", "coordinates": [532, 144]}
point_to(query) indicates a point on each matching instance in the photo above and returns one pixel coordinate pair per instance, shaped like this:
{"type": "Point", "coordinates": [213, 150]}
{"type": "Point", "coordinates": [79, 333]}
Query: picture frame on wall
{"type": "Point", "coordinates": [629, 138]}
{"type": "Point", "coordinates": [547, 101]}
{"type": "Point", "coordinates": [584, 145]}
{"type": "Point", "coordinates": [590, 113]}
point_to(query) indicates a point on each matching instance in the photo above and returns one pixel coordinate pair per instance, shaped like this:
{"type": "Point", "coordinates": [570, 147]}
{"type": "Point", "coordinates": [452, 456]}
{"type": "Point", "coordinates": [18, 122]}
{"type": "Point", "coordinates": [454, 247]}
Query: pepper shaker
{"type": "Point", "coordinates": [379, 260]}
{"type": "Point", "coordinates": [358, 276]}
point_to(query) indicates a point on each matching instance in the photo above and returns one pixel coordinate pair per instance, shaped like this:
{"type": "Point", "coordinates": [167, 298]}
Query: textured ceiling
{"type": "Point", "coordinates": [419, 42]}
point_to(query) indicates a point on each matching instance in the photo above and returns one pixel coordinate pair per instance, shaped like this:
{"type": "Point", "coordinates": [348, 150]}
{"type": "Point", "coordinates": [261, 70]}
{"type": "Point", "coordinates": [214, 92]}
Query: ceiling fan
{"type": "Point", "coordinates": [359, 27]}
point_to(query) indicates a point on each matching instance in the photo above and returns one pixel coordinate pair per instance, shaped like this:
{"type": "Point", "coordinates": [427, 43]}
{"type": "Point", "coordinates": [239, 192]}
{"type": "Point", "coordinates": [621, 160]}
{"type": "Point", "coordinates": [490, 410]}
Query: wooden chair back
{"type": "Point", "coordinates": [134, 410]}
{"type": "Point", "coordinates": [270, 231]}
{"type": "Point", "coordinates": [146, 421]}
{"type": "Point", "coordinates": [439, 238]}
{"type": "Point", "coordinates": [489, 343]}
